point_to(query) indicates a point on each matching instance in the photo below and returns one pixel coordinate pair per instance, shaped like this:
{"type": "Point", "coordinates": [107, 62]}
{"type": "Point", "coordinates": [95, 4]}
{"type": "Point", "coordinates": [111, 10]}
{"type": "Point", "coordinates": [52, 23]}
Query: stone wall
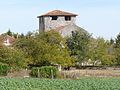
{"type": "Point", "coordinates": [67, 30]}
{"type": "Point", "coordinates": [41, 24]}
{"type": "Point", "coordinates": [53, 24]}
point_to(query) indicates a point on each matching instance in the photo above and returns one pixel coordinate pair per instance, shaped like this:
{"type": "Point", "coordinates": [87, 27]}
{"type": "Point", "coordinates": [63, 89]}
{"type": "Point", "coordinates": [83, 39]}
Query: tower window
{"type": "Point", "coordinates": [54, 17]}
{"type": "Point", "coordinates": [67, 18]}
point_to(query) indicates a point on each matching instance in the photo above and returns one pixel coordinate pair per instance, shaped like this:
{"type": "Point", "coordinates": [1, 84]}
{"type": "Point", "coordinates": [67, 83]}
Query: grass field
{"type": "Point", "coordinates": [47, 84]}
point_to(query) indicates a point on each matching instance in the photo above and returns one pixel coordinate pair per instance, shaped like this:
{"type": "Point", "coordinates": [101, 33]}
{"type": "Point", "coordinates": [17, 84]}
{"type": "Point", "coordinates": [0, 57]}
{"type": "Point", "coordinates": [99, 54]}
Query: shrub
{"type": "Point", "coordinates": [4, 70]}
{"type": "Point", "coordinates": [12, 57]}
{"type": "Point", "coordinates": [44, 72]}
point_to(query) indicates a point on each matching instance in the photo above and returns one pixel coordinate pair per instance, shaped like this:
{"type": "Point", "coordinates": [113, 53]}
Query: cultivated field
{"type": "Point", "coordinates": [47, 84]}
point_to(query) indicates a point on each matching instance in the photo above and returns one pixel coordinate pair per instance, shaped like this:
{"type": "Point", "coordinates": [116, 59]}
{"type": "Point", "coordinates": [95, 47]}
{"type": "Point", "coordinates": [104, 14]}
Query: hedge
{"type": "Point", "coordinates": [4, 70]}
{"type": "Point", "coordinates": [44, 72]}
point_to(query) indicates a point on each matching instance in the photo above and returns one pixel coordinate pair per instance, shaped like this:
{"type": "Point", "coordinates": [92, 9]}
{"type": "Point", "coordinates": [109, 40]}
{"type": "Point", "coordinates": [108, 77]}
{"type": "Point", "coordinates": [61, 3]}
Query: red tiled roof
{"type": "Point", "coordinates": [11, 39]}
{"type": "Point", "coordinates": [58, 13]}
{"type": "Point", "coordinates": [4, 39]}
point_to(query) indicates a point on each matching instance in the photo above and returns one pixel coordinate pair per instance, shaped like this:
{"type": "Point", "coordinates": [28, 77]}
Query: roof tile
{"type": "Point", "coordinates": [58, 13]}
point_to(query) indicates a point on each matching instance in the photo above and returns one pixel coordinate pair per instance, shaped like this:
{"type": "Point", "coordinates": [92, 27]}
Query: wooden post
{"type": "Point", "coordinates": [38, 73]}
{"type": "Point", "coordinates": [52, 76]}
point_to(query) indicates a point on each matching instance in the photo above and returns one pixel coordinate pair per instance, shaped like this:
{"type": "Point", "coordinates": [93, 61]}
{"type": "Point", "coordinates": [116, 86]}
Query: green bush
{"type": "Point", "coordinates": [4, 70]}
{"type": "Point", "coordinates": [44, 72]}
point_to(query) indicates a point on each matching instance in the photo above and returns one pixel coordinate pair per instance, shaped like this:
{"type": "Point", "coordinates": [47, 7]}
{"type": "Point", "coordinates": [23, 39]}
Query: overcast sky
{"type": "Point", "coordinates": [99, 17]}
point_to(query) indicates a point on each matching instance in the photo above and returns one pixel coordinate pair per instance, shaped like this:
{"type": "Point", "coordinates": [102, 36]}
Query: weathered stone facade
{"type": "Point", "coordinates": [41, 24]}
{"type": "Point", "coordinates": [67, 30]}
{"type": "Point", "coordinates": [53, 24]}
{"type": "Point", "coordinates": [63, 22]}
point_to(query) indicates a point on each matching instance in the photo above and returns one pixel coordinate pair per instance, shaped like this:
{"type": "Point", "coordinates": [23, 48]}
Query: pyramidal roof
{"type": "Point", "coordinates": [58, 13]}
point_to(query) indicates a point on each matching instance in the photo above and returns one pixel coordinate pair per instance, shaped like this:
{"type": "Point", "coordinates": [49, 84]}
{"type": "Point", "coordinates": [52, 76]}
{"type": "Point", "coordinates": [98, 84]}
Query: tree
{"type": "Point", "coordinates": [28, 46]}
{"type": "Point", "coordinates": [117, 48]}
{"type": "Point", "coordinates": [78, 44]}
{"type": "Point", "coordinates": [1, 40]}
{"type": "Point", "coordinates": [12, 57]}
{"type": "Point", "coordinates": [101, 50]}
{"type": "Point", "coordinates": [56, 49]}
{"type": "Point", "coordinates": [9, 32]}
{"type": "Point", "coordinates": [45, 49]}
{"type": "Point", "coordinates": [29, 34]}
{"type": "Point", "coordinates": [21, 35]}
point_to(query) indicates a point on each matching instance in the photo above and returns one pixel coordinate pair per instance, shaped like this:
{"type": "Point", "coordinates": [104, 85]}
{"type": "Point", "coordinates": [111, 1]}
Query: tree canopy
{"type": "Point", "coordinates": [117, 48]}
{"type": "Point", "coordinates": [50, 48]}
{"type": "Point", "coordinates": [78, 44]}
{"type": "Point", "coordinates": [45, 48]}
{"type": "Point", "coordinates": [12, 57]}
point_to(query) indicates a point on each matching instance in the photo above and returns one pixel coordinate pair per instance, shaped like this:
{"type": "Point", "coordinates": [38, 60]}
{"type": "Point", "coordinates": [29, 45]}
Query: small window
{"type": "Point", "coordinates": [67, 18]}
{"type": "Point", "coordinates": [54, 17]}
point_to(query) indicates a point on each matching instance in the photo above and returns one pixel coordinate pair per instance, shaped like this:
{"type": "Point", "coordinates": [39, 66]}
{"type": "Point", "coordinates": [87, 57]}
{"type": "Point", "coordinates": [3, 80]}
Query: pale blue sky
{"type": "Point", "coordinates": [100, 17]}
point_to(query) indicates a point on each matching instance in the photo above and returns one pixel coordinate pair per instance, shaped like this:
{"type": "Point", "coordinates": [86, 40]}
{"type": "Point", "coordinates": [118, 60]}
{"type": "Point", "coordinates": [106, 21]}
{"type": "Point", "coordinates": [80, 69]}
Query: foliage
{"type": "Point", "coordinates": [86, 48]}
{"type": "Point", "coordinates": [9, 32]}
{"type": "Point", "coordinates": [101, 50]}
{"type": "Point", "coordinates": [28, 46]}
{"type": "Point", "coordinates": [45, 49]}
{"type": "Point", "coordinates": [12, 57]}
{"type": "Point", "coordinates": [56, 84]}
{"type": "Point", "coordinates": [50, 48]}
{"type": "Point", "coordinates": [21, 35]}
{"type": "Point", "coordinates": [117, 48]}
{"type": "Point", "coordinates": [78, 44]}
{"type": "Point", "coordinates": [44, 72]}
{"type": "Point", "coordinates": [57, 51]}
{"type": "Point", "coordinates": [29, 34]}
{"type": "Point", "coordinates": [1, 41]}
{"type": "Point", "coordinates": [4, 70]}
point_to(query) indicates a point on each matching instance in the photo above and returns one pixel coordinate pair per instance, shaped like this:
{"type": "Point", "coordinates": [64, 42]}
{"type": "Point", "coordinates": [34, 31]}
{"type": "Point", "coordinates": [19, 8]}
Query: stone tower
{"type": "Point", "coordinates": [56, 20]}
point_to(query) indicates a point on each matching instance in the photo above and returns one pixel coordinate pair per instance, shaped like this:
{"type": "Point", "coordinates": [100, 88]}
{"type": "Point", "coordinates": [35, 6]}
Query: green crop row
{"type": "Point", "coordinates": [56, 84]}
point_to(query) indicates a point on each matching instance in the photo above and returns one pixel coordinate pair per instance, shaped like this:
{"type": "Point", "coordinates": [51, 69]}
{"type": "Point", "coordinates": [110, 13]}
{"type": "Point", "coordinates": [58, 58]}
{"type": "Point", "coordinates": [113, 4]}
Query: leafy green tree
{"type": "Point", "coordinates": [101, 50]}
{"type": "Point", "coordinates": [56, 49]}
{"type": "Point", "coordinates": [78, 44]}
{"type": "Point", "coordinates": [28, 46]}
{"type": "Point", "coordinates": [12, 57]}
{"type": "Point", "coordinates": [12, 34]}
{"type": "Point", "coordinates": [9, 32]}
{"type": "Point", "coordinates": [111, 41]}
{"type": "Point", "coordinates": [117, 48]}
{"type": "Point", "coordinates": [29, 34]}
{"type": "Point", "coordinates": [22, 35]}
{"type": "Point", "coordinates": [1, 41]}
{"type": "Point", "coordinates": [45, 49]}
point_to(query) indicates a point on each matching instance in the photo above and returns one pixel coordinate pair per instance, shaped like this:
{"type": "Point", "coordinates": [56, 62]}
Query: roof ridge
{"type": "Point", "coordinates": [58, 13]}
